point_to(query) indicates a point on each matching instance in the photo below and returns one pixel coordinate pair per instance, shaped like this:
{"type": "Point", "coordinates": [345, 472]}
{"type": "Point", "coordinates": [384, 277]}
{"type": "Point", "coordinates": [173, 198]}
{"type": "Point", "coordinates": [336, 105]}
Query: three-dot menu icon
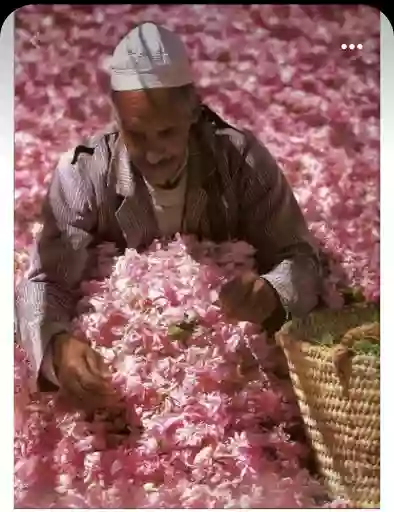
{"type": "Point", "coordinates": [351, 46]}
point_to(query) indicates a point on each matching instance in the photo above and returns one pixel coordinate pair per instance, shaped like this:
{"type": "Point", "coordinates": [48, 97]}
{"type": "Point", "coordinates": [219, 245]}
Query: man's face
{"type": "Point", "coordinates": [155, 128]}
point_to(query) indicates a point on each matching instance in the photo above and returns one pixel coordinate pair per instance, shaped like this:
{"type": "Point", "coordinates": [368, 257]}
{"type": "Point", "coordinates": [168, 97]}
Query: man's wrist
{"type": "Point", "coordinates": [274, 314]}
{"type": "Point", "coordinates": [57, 343]}
{"type": "Point", "coordinates": [268, 298]}
{"type": "Point", "coordinates": [47, 373]}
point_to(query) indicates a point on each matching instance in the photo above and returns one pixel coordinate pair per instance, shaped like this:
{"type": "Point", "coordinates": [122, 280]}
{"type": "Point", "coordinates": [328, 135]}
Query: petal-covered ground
{"type": "Point", "coordinates": [217, 431]}
{"type": "Point", "coordinates": [280, 71]}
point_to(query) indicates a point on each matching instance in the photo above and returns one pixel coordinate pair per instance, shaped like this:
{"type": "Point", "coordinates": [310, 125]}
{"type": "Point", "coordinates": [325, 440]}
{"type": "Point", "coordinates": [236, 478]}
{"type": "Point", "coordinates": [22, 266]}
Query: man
{"type": "Point", "coordinates": [172, 166]}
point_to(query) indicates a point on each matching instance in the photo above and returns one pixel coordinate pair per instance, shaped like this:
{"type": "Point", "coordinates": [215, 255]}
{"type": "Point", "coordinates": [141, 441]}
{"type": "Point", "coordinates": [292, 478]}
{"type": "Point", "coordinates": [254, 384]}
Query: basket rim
{"type": "Point", "coordinates": [295, 334]}
{"type": "Point", "coordinates": [305, 347]}
{"type": "Point", "coordinates": [301, 323]}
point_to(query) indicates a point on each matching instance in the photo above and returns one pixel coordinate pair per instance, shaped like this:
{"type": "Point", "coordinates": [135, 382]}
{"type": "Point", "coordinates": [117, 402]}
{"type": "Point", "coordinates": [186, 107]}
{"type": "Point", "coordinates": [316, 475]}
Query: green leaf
{"type": "Point", "coordinates": [182, 330]}
{"type": "Point", "coordinates": [367, 347]}
{"type": "Point", "coordinates": [175, 332]}
{"type": "Point", "coordinates": [188, 325]}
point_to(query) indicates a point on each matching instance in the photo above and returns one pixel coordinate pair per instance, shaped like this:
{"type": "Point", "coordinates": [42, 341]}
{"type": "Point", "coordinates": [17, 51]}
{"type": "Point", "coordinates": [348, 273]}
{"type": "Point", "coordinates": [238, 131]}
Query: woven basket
{"type": "Point", "coordinates": [338, 392]}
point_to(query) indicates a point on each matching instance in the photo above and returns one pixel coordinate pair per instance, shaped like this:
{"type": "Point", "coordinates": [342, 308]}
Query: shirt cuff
{"type": "Point", "coordinates": [296, 286]}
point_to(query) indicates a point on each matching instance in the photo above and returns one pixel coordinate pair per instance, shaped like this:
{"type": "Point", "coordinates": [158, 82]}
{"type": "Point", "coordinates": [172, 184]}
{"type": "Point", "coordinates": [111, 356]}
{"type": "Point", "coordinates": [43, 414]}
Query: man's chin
{"type": "Point", "coordinates": [160, 179]}
{"type": "Point", "coordinates": [156, 181]}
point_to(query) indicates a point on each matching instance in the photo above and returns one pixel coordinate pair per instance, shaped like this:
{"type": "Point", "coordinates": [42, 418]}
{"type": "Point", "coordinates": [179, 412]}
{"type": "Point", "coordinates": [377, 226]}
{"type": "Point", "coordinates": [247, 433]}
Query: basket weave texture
{"type": "Point", "coordinates": [338, 392]}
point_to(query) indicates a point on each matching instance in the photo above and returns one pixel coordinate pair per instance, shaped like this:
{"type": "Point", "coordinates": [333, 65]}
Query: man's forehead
{"type": "Point", "coordinates": [155, 120]}
{"type": "Point", "coordinates": [139, 106]}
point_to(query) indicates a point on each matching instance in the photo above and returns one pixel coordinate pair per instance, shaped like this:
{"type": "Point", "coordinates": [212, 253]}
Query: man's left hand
{"type": "Point", "coordinates": [248, 298]}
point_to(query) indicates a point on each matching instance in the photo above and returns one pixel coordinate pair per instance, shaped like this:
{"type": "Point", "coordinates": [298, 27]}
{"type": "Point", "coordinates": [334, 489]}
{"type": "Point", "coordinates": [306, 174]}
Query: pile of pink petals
{"type": "Point", "coordinates": [211, 434]}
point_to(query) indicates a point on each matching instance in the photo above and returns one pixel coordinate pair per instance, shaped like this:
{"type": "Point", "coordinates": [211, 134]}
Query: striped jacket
{"type": "Point", "coordinates": [235, 190]}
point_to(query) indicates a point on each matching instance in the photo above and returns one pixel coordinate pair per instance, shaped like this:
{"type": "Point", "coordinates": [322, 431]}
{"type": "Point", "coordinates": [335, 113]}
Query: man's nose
{"type": "Point", "coordinates": [154, 157]}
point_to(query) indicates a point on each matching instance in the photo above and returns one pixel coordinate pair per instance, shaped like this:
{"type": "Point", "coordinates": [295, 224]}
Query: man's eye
{"type": "Point", "coordinates": [167, 132]}
{"type": "Point", "coordinates": [135, 135]}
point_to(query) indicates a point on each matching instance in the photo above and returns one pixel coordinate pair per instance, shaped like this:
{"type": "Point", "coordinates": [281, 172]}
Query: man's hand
{"type": "Point", "coordinates": [84, 380]}
{"type": "Point", "coordinates": [248, 298]}
{"type": "Point", "coordinates": [82, 373]}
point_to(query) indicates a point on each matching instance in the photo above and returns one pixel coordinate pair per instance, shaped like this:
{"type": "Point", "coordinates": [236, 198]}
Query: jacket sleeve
{"type": "Point", "coordinates": [273, 223]}
{"type": "Point", "coordinates": [46, 298]}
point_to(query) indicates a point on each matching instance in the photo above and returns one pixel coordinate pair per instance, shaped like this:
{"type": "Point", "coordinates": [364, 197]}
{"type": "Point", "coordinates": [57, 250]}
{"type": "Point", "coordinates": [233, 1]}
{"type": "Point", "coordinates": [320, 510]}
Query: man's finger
{"type": "Point", "coordinates": [99, 369]}
{"type": "Point", "coordinates": [234, 296]}
{"type": "Point", "coordinates": [90, 382]}
{"type": "Point", "coordinates": [96, 365]}
{"type": "Point", "coordinates": [229, 287]}
{"type": "Point", "coordinates": [83, 388]}
{"type": "Point", "coordinates": [74, 393]}
{"type": "Point", "coordinates": [227, 294]}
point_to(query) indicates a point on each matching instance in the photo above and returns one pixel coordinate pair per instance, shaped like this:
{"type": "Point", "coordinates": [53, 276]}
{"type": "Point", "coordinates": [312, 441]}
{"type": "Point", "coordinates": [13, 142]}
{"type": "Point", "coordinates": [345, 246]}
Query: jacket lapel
{"type": "Point", "coordinates": [196, 196]}
{"type": "Point", "coordinates": [199, 169]}
{"type": "Point", "coordinates": [135, 214]}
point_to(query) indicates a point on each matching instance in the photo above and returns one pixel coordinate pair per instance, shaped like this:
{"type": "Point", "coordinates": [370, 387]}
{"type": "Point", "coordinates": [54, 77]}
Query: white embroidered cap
{"type": "Point", "coordinates": [148, 57]}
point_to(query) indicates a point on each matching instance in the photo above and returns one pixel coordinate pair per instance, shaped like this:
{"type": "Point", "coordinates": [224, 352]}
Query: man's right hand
{"type": "Point", "coordinates": [82, 374]}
